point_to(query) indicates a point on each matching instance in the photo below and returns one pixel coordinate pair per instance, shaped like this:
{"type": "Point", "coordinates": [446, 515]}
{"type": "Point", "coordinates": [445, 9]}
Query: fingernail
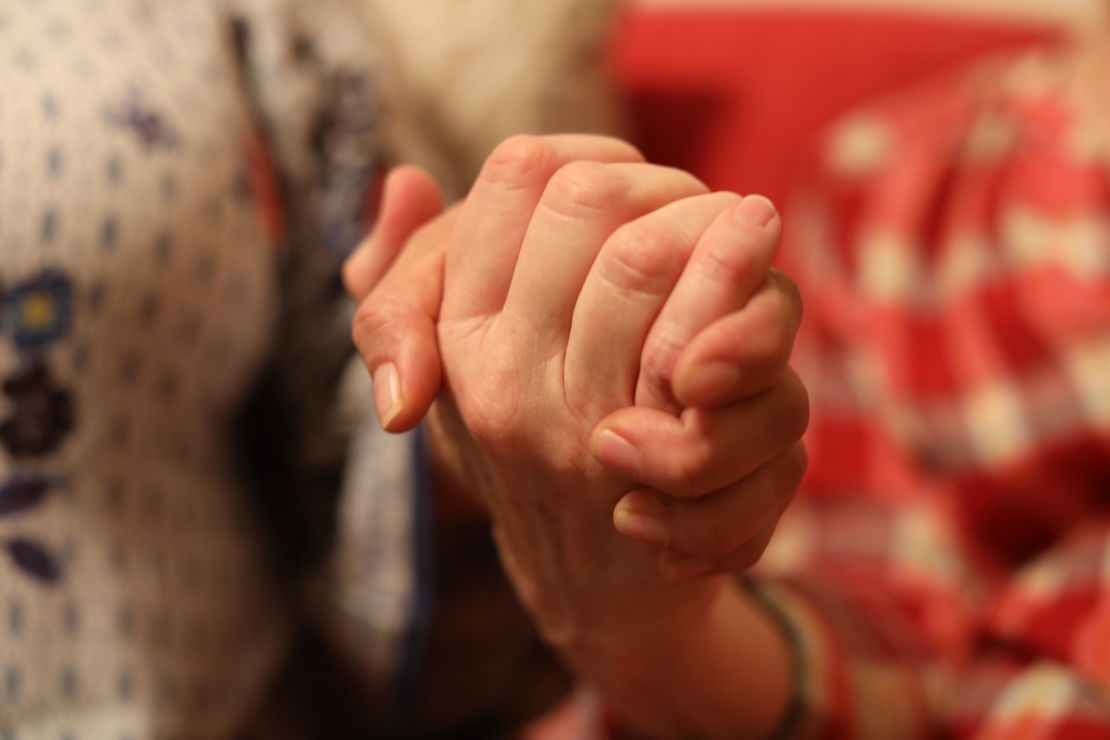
{"type": "Point", "coordinates": [679, 568]}
{"type": "Point", "coordinates": [617, 452]}
{"type": "Point", "coordinates": [711, 381]}
{"type": "Point", "coordinates": [637, 526]}
{"type": "Point", "coordinates": [387, 393]}
{"type": "Point", "coordinates": [755, 211]}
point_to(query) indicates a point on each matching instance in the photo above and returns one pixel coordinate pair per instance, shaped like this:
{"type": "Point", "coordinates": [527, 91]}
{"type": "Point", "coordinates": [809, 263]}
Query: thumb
{"type": "Point", "coordinates": [395, 333]}
{"type": "Point", "coordinates": [395, 328]}
{"type": "Point", "coordinates": [410, 197]}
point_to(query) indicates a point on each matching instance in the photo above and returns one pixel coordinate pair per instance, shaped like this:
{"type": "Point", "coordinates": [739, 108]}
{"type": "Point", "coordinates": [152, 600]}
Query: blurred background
{"type": "Point", "coordinates": [733, 90]}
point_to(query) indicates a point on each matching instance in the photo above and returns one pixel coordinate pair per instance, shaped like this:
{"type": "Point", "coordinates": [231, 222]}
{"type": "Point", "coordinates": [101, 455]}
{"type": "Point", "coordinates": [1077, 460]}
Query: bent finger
{"type": "Point", "coordinates": [718, 524]}
{"type": "Point", "coordinates": [681, 568]}
{"type": "Point", "coordinates": [625, 289]}
{"type": "Point", "coordinates": [728, 265]}
{"type": "Point", "coordinates": [499, 207]}
{"type": "Point", "coordinates": [410, 198]}
{"type": "Point", "coordinates": [704, 449]}
{"type": "Point", "coordinates": [395, 332]}
{"type": "Point", "coordinates": [743, 353]}
{"type": "Point", "coordinates": [583, 205]}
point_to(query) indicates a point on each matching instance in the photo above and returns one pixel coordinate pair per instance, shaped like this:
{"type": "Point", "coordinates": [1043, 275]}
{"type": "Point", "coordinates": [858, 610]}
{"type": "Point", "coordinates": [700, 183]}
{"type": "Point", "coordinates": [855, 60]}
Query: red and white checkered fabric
{"type": "Point", "coordinates": [947, 565]}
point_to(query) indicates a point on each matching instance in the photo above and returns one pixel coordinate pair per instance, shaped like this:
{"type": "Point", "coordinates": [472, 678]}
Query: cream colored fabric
{"type": "Point", "coordinates": [1075, 14]}
{"type": "Point", "coordinates": [474, 72]}
{"type": "Point", "coordinates": [141, 294]}
{"type": "Point", "coordinates": [133, 165]}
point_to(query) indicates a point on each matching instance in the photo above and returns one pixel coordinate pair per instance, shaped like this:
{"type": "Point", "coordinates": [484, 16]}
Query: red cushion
{"type": "Point", "coordinates": [736, 95]}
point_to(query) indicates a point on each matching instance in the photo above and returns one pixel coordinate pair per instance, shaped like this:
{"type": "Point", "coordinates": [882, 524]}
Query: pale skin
{"type": "Point", "coordinates": [704, 662]}
{"type": "Point", "coordinates": [598, 341]}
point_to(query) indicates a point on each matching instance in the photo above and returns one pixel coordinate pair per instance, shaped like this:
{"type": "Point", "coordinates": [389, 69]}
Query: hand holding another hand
{"type": "Point", "coordinates": [588, 302]}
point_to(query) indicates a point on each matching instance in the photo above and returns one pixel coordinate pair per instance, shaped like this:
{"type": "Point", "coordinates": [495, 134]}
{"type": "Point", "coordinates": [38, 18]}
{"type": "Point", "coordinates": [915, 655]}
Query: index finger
{"type": "Point", "coordinates": [410, 199]}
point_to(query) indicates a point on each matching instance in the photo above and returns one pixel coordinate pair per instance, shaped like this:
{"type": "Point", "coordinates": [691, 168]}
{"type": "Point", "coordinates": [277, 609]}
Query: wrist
{"type": "Point", "coordinates": [724, 672]}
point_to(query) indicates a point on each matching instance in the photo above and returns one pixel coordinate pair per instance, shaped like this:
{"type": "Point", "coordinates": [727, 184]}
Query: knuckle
{"type": "Point", "coordinates": [517, 160]}
{"type": "Point", "coordinates": [790, 292]}
{"type": "Point", "coordinates": [688, 470]}
{"type": "Point", "coordinates": [724, 264]}
{"type": "Point", "coordinates": [372, 323]}
{"type": "Point", "coordinates": [582, 188]}
{"type": "Point", "coordinates": [766, 332]}
{"type": "Point", "coordinates": [766, 338]}
{"type": "Point", "coordinates": [490, 418]}
{"type": "Point", "coordinates": [641, 258]}
{"type": "Point", "coordinates": [660, 354]}
{"type": "Point", "coordinates": [494, 405]}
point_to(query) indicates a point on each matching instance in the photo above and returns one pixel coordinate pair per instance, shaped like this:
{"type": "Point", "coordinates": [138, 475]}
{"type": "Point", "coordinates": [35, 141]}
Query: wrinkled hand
{"type": "Point", "coordinates": [720, 472]}
{"type": "Point", "coordinates": [577, 282]}
{"type": "Point", "coordinates": [515, 415]}
{"type": "Point", "coordinates": [714, 433]}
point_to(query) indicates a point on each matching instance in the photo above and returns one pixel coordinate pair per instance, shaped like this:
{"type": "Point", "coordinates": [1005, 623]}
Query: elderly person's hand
{"type": "Point", "coordinates": [715, 358]}
{"type": "Point", "coordinates": [714, 433]}
{"type": "Point", "coordinates": [579, 281]}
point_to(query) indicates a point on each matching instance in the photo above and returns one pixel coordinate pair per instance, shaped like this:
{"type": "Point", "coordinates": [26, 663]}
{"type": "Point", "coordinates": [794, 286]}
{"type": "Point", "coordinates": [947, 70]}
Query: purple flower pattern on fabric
{"type": "Point", "coordinates": [36, 313]}
{"type": "Point", "coordinates": [42, 413]}
{"type": "Point", "coordinates": [33, 559]}
{"type": "Point", "coordinates": [23, 494]}
{"type": "Point", "coordinates": [146, 123]}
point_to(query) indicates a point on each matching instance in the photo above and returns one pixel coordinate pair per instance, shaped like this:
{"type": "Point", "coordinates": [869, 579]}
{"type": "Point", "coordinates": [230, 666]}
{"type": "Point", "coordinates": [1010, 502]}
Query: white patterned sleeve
{"type": "Point", "coordinates": [344, 498]}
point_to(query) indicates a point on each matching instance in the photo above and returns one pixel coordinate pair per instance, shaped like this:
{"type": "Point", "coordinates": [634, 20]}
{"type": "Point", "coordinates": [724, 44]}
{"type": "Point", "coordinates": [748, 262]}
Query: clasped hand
{"type": "Point", "coordinates": [600, 347]}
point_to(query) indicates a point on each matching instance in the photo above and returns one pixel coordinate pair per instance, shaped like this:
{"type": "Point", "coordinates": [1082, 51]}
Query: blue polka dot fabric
{"type": "Point", "coordinates": [146, 288]}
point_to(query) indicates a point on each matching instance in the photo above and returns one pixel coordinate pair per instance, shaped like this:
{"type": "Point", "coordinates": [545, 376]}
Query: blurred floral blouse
{"type": "Point", "coordinates": [178, 185]}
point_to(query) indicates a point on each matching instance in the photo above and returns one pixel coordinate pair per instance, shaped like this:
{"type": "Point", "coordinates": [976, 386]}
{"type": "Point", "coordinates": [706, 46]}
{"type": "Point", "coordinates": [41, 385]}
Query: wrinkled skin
{"type": "Point", "coordinates": [579, 338]}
